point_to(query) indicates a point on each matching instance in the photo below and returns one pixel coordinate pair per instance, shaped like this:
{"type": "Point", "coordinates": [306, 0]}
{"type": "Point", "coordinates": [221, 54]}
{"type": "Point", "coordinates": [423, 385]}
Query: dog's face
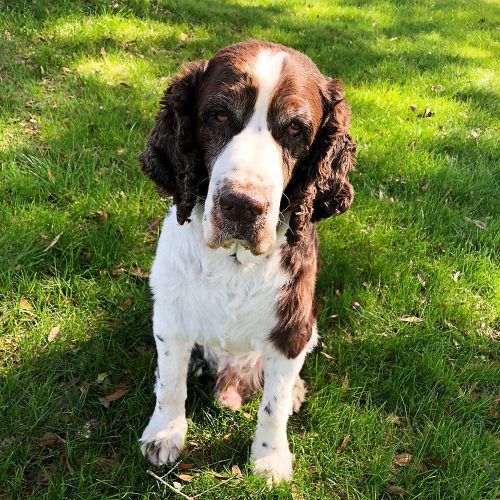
{"type": "Point", "coordinates": [254, 132]}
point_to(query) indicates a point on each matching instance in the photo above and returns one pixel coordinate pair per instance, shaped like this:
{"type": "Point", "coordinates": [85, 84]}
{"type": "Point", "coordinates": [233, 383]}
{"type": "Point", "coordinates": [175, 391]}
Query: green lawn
{"type": "Point", "coordinates": [79, 87]}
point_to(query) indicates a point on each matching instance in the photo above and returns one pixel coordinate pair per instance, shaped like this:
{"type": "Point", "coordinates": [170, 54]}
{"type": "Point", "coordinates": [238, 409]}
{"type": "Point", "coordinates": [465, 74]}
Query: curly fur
{"type": "Point", "coordinates": [172, 156]}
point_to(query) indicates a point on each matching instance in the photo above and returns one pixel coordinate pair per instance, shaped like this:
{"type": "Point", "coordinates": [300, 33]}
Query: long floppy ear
{"type": "Point", "coordinates": [172, 157]}
{"type": "Point", "coordinates": [325, 189]}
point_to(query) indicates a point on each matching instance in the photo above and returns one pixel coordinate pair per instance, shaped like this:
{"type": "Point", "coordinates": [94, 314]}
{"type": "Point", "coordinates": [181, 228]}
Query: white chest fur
{"type": "Point", "coordinates": [209, 297]}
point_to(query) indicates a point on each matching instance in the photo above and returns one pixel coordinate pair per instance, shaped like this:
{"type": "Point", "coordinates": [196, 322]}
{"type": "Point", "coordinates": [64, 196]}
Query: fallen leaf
{"type": "Point", "coordinates": [102, 51]}
{"type": "Point", "coordinates": [103, 214]}
{"type": "Point", "coordinates": [66, 70]}
{"type": "Point", "coordinates": [153, 224]}
{"type": "Point", "coordinates": [185, 477]}
{"type": "Point", "coordinates": [413, 107]}
{"type": "Point", "coordinates": [54, 332]}
{"type": "Point", "coordinates": [395, 490]}
{"type": "Point", "coordinates": [103, 401]}
{"type": "Point", "coordinates": [427, 113]}
{"type": "Point", "coordinates": [355, 304]}
{"type": "Point", "coordinates": [126, 303]}
{"type": "Point", "coordinates": [327, 356]}
{"type": "Point", "coordinates": [411, 319]}
{"type": "Point", "coordinates": [24, 305]}
{"type": "Point", "coordinates": [456, 276]}
{"type": "Point", "coordinates": [236, 471]}
{"type": "Point", "coordinates": [51, 176]}
{"type": "Point", "coordinates": [437, 88]}
{"type": "Point", "coordinates": [50, 438]}
{"type": "Point", "coordinates": [344, 443]}
{"type": "Point", "coordinates": [437, 462]}
{"type": "Point", "coordinates": [312, 470]}
{"type": "Point", "coordinates": [139, 272]}
{"type": "Point", "coordinates": [402, 459]}
{"type": "Point", "coordinates": [479, 224]}
{"type": "Point", "coordinates": [184, 37]}
{"type": "Point", "coordinates": [388, 435]}
{"type": "Point", "coordinates": [117, 394]}
{"type": "Point", "coordinates": [177, 485]}
{"type": "Point", "coordinates": [296, 495]}
{"type": "Point", "coordinates": [247, 415]}
{"type": "Point", "coordinates": [108, 463]}
{"type": "Point", "coordinates": [494, 407]}
{"type": "Point", "coordinates": [101, 377]}
{"type": "Point", "coordinates": [52, 243]}
{"type": "Point", "coordinates": [42, 70]}
{"type": "Point", "coordinates": [397, 420]}
{"type": "Point", "coordinates": [185, 466]}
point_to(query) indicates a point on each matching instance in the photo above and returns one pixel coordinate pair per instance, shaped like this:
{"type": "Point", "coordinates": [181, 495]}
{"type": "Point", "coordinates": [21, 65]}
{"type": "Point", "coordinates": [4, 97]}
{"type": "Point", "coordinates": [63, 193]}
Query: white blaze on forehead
{"type": "Point", "coordinates": [267, 71]}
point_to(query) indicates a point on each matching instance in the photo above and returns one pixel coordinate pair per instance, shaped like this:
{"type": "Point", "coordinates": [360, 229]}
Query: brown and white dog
{"type": "Point", "coordinates": [253, 147]}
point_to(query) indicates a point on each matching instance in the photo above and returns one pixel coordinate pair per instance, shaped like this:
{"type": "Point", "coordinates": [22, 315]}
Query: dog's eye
{"type": "Point", "coordinates": [222, 117]}
{"type": "Point", "coordinates": [294, 128]}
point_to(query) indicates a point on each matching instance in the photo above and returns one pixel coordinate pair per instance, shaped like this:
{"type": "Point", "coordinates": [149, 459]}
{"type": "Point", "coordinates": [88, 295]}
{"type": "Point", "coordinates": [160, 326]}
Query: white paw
{"type": "Point", "coordinates": [162, 442]}
{"type": "Point", "coordinates": [275, 466]}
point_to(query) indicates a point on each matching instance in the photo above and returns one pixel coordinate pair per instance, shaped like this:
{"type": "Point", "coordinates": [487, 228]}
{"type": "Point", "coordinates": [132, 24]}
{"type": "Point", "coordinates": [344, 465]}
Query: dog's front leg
{"type": "Point", "coordinates": [270, 452]}
{"type": "Point", "coordinates": [163, 439]}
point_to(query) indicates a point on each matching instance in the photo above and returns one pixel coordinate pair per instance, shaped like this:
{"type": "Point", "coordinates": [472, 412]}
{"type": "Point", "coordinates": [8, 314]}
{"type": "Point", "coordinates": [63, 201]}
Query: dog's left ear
{"type": "Point", "coordinates": [325, 189]}
{"type": "Point", "coordinates": [172, 157]}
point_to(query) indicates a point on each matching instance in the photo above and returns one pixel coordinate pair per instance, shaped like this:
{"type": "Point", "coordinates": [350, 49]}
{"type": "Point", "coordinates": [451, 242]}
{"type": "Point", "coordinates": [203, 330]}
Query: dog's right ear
{"type": "Point", "coordinates": [172, 157]}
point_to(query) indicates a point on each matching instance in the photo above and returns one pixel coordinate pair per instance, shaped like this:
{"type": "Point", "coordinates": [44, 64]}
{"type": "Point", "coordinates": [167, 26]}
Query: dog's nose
{"type": "Point", "coordinates": [239, 207]}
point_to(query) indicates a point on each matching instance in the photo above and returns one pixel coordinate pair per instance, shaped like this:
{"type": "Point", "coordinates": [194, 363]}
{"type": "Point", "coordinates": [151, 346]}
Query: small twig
{"type": "Point", "coordinates": [158, 478]}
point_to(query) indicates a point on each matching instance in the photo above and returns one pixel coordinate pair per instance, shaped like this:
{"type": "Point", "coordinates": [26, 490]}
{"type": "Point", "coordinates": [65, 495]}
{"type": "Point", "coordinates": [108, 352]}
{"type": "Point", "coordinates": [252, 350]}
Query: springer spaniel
{"type": "Point", "coordinates": [253, 147]}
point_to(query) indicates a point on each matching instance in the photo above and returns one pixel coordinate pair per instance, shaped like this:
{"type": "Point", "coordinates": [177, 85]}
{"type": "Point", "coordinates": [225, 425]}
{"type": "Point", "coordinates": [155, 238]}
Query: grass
{"type": "Point", "coordinates": [80, 81]}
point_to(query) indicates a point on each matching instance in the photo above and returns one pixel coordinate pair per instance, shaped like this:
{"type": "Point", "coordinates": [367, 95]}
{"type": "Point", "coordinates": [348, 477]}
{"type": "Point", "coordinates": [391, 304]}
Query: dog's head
{"type": "Point", "coordinates": [256, 134]}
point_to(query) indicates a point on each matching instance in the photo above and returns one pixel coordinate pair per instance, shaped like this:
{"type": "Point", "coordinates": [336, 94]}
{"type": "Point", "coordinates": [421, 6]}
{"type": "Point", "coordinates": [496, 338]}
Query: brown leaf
{"type": "Point", "coordinates": [139, 272]}
{"type": "Point", "coordinates": [479, 224]}
{"type": "Point", "coordinates": [402, 459]}
{"type": "Point", "coordinates": [117, 394]}
{"type": "Point", "coordinates": [427, 113]}
{"type": "Point", "coordinates": [437, 462]}
{"type": "Point", "coordinates": [327, 356]}
{"type": "Point", "coordinates": [184, 37]}
{"type": "Point", "coordinates": [153, 224]}
{"type": "Point", "coordinates": [108, 463]}
{"type": "Point", "coordinates": [185, 466]}
{"type": "Point", "coordinates": [247, 415]}
{"type": "Point", "coordinates": [494, 407]}
{"type": "Point", "coordinates": [411, 319]}
{"type": "Point", "coordinates": [344, 443]}
{"type": "Point", "coordinates": [185, 477]}
{"type": "Point", "coordinates": [66, 70]}
{"type": "Point", "coordinates": [103, 214]}
{"type": "Point", "coordinates": [52, 243]}
{"type": "Point", "coordinates": [102, 51]}
{"type": "Point", "coordinates": [24, 305]}
{"type": "Point", "coordinates": [51, 176]}
{"type": "Point", "coordinates": [395, 490]}
{"type": "Point", "coordinates": [126, 303]}
{"type": "Point", "coordinates": [355, 304]}
{"type": "Point", "coordinates": [413, 107]}
{"type": "Point", "coordinates": [54, 332]}
{"type": "Point", "coordinates": [397, 420]}
{"type": "Point", "coordinates": [313, 470]}
{"type": "Point", "coordinates": [388, 435]}
{"type": "Point", "coordinates": [437, 88]}
{"type": "Point", "coordinates": [236, 471]}
{"type": "Point", "coordinates": [49, 438]}
{"type": "Point", "coordinates": [296, 495]}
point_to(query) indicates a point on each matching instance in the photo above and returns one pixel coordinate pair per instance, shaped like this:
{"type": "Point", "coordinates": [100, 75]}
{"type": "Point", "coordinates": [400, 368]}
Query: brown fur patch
{"type": "Point", "coordinates": [297, 310]}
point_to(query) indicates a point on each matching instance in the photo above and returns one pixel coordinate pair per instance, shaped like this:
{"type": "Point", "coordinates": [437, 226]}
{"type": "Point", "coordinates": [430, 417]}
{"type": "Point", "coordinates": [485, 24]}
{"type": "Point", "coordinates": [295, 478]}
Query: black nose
{"type": "Point", "coordinates": [239, 207]}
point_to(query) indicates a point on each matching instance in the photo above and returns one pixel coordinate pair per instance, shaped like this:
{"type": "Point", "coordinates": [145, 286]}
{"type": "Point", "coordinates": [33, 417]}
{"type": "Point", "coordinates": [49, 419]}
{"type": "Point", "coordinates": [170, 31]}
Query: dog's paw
{"type": "Point", "coordinates": [162, 443]}
{"type": "Point", "coordinates": [275, 467]}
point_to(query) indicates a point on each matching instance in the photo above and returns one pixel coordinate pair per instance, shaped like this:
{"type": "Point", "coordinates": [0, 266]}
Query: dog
{"type": "Point", "coordinates": [253, 148]}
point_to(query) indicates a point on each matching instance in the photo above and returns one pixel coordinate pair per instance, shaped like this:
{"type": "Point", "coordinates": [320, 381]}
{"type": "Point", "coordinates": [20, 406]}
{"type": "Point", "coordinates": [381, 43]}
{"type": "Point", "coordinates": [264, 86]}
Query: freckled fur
{"type": "Point", "coordinates": [245, 292]}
